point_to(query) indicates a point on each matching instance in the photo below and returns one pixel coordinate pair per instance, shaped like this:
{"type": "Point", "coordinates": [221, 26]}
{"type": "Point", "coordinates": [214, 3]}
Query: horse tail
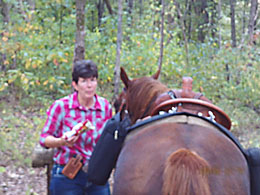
{"type": "Point", "coordinates": [185, 173]}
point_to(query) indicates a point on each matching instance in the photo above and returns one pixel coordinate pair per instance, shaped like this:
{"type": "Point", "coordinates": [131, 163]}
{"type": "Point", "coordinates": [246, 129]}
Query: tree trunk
{"type": "Point", "coordinates": [252, 20]}
{"type": "Point", "coordinates": [204, 20]}
{"type": "Point", "coordinates": [32, 4]}
{"type": "Point", "coordinates": [182, 26]}
{"type": "Point", "coordinates": [219, 25]}
{"type": "Point", "coordinates": [109, 7]}
{"type": "Point", "coordinates": [200, 8]}
{"type": "Point", "coordinates": [79, 51]}
{"type": "Point", "coordinates": [42, 157]}
{"type": "Point", "coordinates": [61, 20]}
{"type": "Point", "coordinates": [213, 18]}
{"type": "Point", "coordinates": [130, 10]}
{"type": "Point", "coordinates": [141, 8]}
{"type": "Point", "coordinates": [244, 17]}
{"type": "Point", "coordinates": [233, 24]}
{"type": "Point", "coordinates": [100, 8]}
{"type": "Point", "coordinates": [118, 50]}
{"type": "Point", "coordinates": [189, 22]}
{"type": "Point", "coordinates": [162, 36]}
{"type": "Point", "coordinates": [92, 20]}
{"type": "Point", "coordinates": [5, 11]}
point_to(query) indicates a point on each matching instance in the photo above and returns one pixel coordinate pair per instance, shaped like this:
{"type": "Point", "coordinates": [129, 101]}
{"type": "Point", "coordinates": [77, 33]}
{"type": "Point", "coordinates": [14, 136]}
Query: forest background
{"type": "Point", "coordinates": [216, 42]}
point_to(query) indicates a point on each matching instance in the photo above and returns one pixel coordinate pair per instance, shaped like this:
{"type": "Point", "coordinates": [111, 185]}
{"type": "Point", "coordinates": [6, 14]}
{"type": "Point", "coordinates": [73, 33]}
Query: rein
{"type": "Point", "coordinates": [122, 105]}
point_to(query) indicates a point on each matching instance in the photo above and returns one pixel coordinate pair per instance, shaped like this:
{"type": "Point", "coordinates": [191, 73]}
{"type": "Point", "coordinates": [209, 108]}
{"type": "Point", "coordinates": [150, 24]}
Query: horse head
{"type": "Point", "coordinates": [139, 94]}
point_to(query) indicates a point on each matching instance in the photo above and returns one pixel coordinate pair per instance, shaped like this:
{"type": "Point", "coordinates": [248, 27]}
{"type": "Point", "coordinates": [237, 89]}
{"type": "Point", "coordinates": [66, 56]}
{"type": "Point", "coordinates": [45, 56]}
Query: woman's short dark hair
{"type": "Point", "coordinates": [84, 69]}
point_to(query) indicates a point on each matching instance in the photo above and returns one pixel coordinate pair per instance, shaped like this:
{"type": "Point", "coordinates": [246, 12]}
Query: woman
{"type": "Point", "coordinates": [81, 106]}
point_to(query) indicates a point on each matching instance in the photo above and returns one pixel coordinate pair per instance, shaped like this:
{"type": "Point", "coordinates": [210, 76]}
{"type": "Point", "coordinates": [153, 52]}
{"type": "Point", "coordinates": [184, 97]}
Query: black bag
{"type": "Point", "coordinates": [106, 152]}
{"type": "Point", "coordinates": [253, 159]}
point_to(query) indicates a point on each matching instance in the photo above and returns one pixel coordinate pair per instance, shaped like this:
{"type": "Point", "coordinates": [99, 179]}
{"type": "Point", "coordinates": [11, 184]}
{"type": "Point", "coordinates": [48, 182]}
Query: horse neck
{"type": "Point", "coordinates": [141, 96]}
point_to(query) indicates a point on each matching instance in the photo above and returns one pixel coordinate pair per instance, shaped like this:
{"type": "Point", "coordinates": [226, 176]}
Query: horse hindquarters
{"type": "Point", "coordinates": [217, 166]}
{"type": "Point", "coordinates": [185, 173]}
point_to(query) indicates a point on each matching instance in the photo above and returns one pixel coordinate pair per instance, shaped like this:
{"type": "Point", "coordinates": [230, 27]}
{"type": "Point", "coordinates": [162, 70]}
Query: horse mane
{"type": "Point", "coordinates": [141, 93]}
{"type": "Point", "coordinates": [185, 173]}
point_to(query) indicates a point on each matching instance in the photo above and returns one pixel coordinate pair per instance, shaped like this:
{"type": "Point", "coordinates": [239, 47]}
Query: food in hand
{"type": "Point", "coordinates": [80, 128]}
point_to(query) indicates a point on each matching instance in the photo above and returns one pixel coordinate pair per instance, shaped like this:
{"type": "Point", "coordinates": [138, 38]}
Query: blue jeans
{"type": "Point", "coordinates": [61, 185]}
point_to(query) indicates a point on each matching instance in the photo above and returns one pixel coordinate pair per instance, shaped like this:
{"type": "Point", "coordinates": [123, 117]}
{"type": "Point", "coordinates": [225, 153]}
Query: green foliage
{"type": "Point", "coordinates": [37, 63]}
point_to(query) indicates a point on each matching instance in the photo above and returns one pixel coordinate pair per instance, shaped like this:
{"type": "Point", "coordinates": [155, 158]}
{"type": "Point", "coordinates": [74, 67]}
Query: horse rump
{"type": "Point", "coordinates": [185, 173]}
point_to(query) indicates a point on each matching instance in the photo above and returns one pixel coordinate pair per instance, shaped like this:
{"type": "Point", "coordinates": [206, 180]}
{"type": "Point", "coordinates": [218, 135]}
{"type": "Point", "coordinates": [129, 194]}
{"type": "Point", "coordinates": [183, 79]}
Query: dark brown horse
{"type": "Point", "coordinates": [177, 155]}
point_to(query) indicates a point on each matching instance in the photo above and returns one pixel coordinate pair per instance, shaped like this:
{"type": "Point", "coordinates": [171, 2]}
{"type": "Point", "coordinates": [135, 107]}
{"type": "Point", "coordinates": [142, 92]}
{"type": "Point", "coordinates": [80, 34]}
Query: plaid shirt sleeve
{"type": "Point", "coordinates": [53, 122]}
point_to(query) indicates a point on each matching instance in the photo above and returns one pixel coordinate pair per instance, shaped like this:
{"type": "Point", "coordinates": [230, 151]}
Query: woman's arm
{"type": "Point", "coordinates": [54, 142]}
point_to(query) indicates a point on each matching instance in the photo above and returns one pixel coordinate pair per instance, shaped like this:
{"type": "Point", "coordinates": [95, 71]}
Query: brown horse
{"type": "Point", "coordinates": [176, 155]}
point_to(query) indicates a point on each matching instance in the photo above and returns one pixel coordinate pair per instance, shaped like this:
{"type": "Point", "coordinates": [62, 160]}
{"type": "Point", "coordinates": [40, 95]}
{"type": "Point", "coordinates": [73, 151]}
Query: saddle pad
{"type": "Point", "coordinates": [206, 121]}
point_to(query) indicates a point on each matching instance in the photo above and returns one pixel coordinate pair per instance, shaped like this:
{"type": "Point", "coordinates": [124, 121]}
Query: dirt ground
{"type": "Point", "coordinates": [18, 179]}
{"type": "Point", "coordinates": [26, 181]}
{"type": "Point", "coordinates": [23, 181]}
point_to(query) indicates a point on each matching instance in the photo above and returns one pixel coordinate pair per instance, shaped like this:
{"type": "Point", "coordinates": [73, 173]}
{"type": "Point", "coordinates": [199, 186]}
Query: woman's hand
{"type": "Point", "coordinates": [54, 142]}
{"type": "Point", "coordinates": [69, 141]}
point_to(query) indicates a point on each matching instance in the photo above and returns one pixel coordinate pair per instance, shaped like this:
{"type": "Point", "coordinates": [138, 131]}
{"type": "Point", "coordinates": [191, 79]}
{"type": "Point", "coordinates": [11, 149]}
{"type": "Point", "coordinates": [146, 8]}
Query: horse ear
{"type": "Point", "coordinates": [156, 75]}
{"type": "Point", "coordinates": [124, 77]}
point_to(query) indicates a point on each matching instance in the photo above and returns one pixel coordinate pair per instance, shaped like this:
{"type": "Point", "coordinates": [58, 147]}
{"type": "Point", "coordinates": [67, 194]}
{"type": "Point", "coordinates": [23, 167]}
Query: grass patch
{"type": "Point", "coordinates": [19, 132]}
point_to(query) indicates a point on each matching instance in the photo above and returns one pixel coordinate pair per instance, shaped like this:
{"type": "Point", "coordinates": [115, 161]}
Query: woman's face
{"type": "Point", "coordinates": [86, 87]}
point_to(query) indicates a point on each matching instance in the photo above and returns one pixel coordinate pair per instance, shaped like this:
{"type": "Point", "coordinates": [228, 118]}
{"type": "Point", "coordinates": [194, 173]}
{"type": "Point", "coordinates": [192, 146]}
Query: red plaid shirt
{"type": "Point", "coordinates": [64, 114]}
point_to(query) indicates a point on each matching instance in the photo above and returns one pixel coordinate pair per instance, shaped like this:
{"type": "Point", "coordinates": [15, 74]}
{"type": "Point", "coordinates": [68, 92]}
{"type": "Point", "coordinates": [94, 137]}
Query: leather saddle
{"type": "Point", "coordinates": [186, 100]}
